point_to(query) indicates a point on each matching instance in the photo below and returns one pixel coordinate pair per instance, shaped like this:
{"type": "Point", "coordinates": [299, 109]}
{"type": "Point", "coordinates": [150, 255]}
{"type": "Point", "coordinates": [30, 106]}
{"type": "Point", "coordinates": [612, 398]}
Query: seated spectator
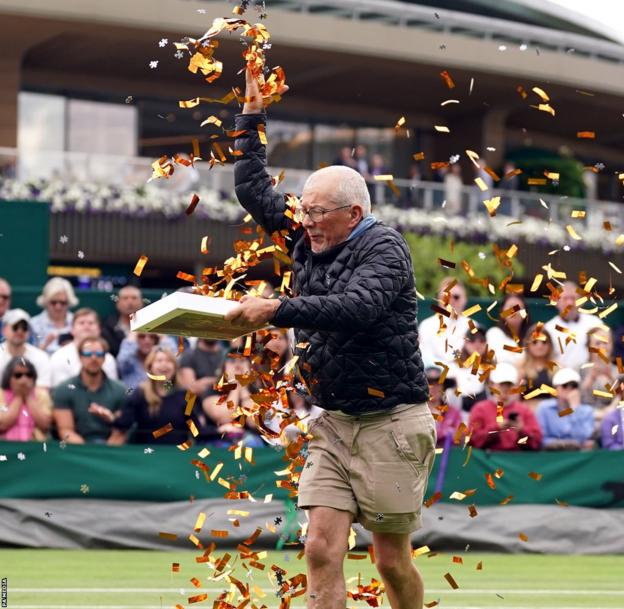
{"type": "Point", "coordinates": [16, 331]}
{"type": "Point", "coordinates": [201, 367]}
{"type": "Point", "coordinates": [65, 362]}
{"type": "Point", "coordinates": [443, 347]}
{"type": "Point", "coordinates": [448, 418]}
{"type": "Point", "coordinates": [510, 330]}
{"type": "Point", "coordinates": [575, 324]}
{"type": "Point", "coordinates": [85, 405]}
{"type": "Point", "coordinates": [5, 301]}
{"type": "Point", "coordinates": [471, 387]}
{"type": "Point", "coordinates": [453, 185]}
{"type": "Point", "coordinates": [536, 366]}
{"type": "Point", "coordinates": [25, 410]}
{"type": "Point", "coordinates": [566, 422]}
{"type": "Point", "coordinates": [600, 373]}
{"type": "Point", "coordinates": [612, 430]}
{"type": "Point", "coordinates": [226, 411]}
{"type": "Point", "coordinates": [116, 327]}
{"type": "Point", "coordinates": [56, 298]}
{"type": "Point", "coordinates": [154, 404]}
{"type": "Point", "coordinates": [131, 357]}
{"type": "Point", "coordinates": [519, 429]}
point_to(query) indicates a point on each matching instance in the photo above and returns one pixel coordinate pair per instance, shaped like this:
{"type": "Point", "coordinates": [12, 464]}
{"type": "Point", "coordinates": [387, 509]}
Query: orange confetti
{"type": "Point", "coordinates": [535, 475]}
{"type": "Point", "coordinates": [506, 500]}
{"type": "Point", "coordinates": [458, 560]}
{"type": "Point", "coordinates": [472, 511]}
{"type": "Point", "coordinates": [448, 81]}
{"type": "Point", "coordinates": [175, 567]}
{"type": "Point", "coordinates": [586, 135]}
{"type": "Point", "coordinates": [169, 536]}
{"type": "Point", "coordinates": [140, 265]}
{"type": "Point", "coordinates": [376, 393]}
{"type": "Point", "coordinates": [165, 429]}
{"type": "Point", "coordinates": [192, 205]}
{"type": "Point", "coordinates": [490, 481]}
{"type": "Point", "coordinates": [198, 599]}
{"type": "Point", "coordinates": [523, 537]}
{"type": "Point", "coordinates": [433, 499]}
{"type": "Point", "coordinates": [451, 580]}
{"type": "Point", "coordinates": [565, 412]}
{"type": "Point", "coordinates": [479, 566]}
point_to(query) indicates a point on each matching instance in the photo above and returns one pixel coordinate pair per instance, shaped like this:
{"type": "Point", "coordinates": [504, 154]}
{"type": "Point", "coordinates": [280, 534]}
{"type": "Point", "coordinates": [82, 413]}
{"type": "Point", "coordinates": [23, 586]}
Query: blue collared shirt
{"type": "Point", "coordinates": [578, 425]}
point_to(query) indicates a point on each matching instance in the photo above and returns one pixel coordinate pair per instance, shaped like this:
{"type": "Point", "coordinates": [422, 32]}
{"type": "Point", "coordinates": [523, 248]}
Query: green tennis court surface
{"type": "Point", "coordinates": [46, 579]}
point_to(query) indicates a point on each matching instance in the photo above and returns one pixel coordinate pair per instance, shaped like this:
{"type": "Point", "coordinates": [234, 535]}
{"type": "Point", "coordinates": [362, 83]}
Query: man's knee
{"type": "Point", "coordinates": [320, 551]}
{"type": "Point", "coordinates": [393, 567]}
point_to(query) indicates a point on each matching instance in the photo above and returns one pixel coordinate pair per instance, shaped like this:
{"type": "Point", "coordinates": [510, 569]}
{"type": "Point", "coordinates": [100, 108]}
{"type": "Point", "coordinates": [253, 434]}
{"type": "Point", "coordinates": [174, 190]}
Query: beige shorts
{"type": "Point", "coordinates": [375, 466]}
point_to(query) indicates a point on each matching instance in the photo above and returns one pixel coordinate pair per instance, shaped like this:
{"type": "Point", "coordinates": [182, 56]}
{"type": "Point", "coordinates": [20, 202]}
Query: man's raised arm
{"type": "Point", "coordinates": [253, 183]}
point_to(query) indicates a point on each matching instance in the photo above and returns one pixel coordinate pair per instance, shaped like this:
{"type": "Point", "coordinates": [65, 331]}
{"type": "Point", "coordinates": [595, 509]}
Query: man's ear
{"type": "Point", "coordinates": [357, 213]}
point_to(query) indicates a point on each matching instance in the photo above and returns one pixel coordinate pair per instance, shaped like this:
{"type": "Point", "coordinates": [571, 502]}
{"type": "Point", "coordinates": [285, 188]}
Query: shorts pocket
{"type": "Point", "coordinates": [414, 439]}
{"type": "Point", "coordinates": [399, 487]}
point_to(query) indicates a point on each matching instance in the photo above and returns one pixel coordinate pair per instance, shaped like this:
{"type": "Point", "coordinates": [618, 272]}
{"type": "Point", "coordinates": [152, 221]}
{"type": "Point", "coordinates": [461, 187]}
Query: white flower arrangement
{"type": "Point", "coordinates": [91, 197]}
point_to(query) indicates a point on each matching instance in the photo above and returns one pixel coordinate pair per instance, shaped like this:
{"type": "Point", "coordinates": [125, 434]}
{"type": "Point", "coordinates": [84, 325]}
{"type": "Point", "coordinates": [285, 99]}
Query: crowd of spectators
{"type": "Point", "coordinates": [517, 386]}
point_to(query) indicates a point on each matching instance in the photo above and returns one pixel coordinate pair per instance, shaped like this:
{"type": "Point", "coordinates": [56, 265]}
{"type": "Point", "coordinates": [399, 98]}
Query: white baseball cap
{"type": "Point", "coordinates": [566, 375]}
{"type": "Point", "coordinates": [504, 373]}
{"type": "Point", "coordinates": [14, 316]}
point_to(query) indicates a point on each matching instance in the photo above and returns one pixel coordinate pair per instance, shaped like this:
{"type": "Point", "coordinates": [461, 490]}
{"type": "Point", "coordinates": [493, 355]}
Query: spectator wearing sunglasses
{"type": "Point", "coordinates": [16, 331]}
{"type": "Point", "coordinates": [5, 301]}
{"type": "Point", "coordinates": [537, 364]}
{"type": "Point", "coordinates": [25, 410]}
{"type": "Point", "coordinates": [65, 361]}
{"type": "Point", "coordinates": [56, 300]}
{"type": "Point", "coordinates": [86, 405]}
{"type": "Point", "coordinates": [566, 422]}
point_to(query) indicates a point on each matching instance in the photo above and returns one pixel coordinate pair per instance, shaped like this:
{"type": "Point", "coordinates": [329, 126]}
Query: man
{"type": "Point", "coordinates": [353, 310]}
{"type": "Point", "coordinates": [567, 424]}
{"type": "Point", "coordinates": [571, 326]}
{"type": "Point", "coordinates": [65, 361]}
{"type": "Point", "coordinates": [117, 327]}
{"type": "Point", "coordinates": [518, 430]}
{"type": "Point", "coordinates": [85, 405]}
{"type": "Point", "coordinates": [201, 367]}
{"type": "Point", "coordinates": [131, 357]}
{"type": "Point", "coordinates": [441, 343]}
{"type": "Point", "coordinates": [5, 300]}
{"type": "Point", "coordinates": [16, 332]}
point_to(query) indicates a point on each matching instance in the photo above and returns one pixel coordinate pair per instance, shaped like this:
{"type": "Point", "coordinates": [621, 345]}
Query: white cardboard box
{"type": "Point", "coordinates": [183, 314]}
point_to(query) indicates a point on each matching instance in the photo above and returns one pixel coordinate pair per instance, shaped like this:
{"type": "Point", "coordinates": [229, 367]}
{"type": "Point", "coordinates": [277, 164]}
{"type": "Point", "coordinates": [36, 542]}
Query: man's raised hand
{"type": "Point", "coordinates": [255, 105]}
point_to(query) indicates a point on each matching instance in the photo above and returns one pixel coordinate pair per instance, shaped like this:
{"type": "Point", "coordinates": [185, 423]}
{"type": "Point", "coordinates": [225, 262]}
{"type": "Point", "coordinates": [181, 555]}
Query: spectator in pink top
{"type": "Point", "coordinates": [25, 410]}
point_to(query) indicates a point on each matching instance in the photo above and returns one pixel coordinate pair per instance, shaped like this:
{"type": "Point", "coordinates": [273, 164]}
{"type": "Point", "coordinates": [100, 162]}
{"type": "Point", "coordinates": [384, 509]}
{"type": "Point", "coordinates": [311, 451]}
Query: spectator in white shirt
{"type": "Point", "coordinates": [513, 321]}
{"type": "Point", "coordinates": [56, 298]}
{"type": "Point", "coordinates": [443, 346]}
{"type": "Point", "coordinates": [66, 361]}
{"type": "Point", "coordinates": [574, 325]}
{"type": "Point", "coordinates": [16, 331]}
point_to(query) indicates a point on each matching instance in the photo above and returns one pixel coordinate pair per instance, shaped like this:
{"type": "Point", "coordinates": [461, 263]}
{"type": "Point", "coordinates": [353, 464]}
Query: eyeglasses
{"type": "Point", "coordinates": [19, 375]}
{"type": "Point", "coordinates": [93, 353]}
{"type": "Point", "coordinates": [570, 385]}
{"type": "Point", "coordinates": [20, 325]}
{"type": "Point", "coordinates": [318, 213]}
{"type": "Point", "coordinates": [58, 303]}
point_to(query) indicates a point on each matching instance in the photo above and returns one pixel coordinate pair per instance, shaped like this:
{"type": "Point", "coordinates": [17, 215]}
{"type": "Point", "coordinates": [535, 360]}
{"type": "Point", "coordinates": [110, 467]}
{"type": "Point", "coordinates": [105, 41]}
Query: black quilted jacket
{"type": "Point", "coordinates": [355, 304]}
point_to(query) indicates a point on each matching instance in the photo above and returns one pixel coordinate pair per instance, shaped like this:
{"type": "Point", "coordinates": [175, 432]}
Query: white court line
{"type": "Point", "coordinates": [502, 591]}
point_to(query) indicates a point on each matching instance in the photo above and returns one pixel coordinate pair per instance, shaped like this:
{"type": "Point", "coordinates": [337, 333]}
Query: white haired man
{"type": "Point", "coordinates": [354, 305]}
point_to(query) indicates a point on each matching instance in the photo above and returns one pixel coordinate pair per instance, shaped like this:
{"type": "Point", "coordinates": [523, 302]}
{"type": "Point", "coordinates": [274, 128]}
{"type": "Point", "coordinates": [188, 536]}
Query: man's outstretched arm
{"type": "Point", "coordinates": [253, 183]}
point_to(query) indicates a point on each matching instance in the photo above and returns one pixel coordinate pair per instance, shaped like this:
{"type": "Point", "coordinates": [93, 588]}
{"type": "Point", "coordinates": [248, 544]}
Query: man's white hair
{"type": "Point", "coordinates": [351, 188]}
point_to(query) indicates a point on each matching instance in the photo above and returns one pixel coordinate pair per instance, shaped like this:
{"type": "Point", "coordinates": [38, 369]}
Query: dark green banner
{"type": "Point", "coordinates": [164, 473]}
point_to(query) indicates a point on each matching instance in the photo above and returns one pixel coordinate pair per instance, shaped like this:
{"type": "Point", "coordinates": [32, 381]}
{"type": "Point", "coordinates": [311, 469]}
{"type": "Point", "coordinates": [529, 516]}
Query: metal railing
{"type": "Point", "coordinates": [133, 172]}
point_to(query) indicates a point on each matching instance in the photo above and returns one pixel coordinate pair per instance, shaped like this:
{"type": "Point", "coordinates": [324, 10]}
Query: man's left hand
{"type": "Point", "coordinates": [253, 310]}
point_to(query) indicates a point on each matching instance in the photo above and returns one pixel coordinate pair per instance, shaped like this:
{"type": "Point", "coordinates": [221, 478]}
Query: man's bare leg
{"type": "Point", "coordinates": [325, 549]}
{"type": "Point", "coordinates": [393, 559]}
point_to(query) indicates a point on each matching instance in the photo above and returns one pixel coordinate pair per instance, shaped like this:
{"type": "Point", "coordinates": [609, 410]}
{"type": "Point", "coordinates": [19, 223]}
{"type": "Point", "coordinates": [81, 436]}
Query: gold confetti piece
{"type": "Point", "coordinates": [512, 251]}
{"type": "Point", "coordinates": [191, 425]}
{"type": "Point", "coordinates": [185, 445]}
{"type": "Point", "coordinates": [468, 455]}
{"type": "Point", "coordinates": [165, 429]}
{"type": "Point", "coordinates": [169, 536]}
{"type": "Point", "coordinates": [499, 473]}
{"type": "Point", "coordinates": [536, 282]}
{"type": "Point", "coordinates": [216, 470]}
{"type": "Point", "coordinates": [352, 556]}
{"type": "Point", "coordinates": [537, 182]}
{"type": "Point", "coordinates": [452, 583]}
{"type": "Point", "coordinates": [458, 560]}
{"type": "Point", "coordinates": [551, 175]}
{"type": "Point", "coordinates": [175, 567]}
{"type": "Point", "coordinates": [352, 536]}
{"type": "Point", "coordinates": [156, 377]}
{"type": "Point", "coordinates": [384, 178]}
{"type": "Point", "coordinates": [457, 495]}
{"type": "Point", "coordinates": [262, 134]}
{"type": "Point", "coordinates": [192, 205]}
{"type": "Point", "coordinates": [199, 523]}
{"type": "Point", "coordinates": [433, 499]}
{"type": "Point", "coordinates": [602, 394]}
{"type": "Point", "coordinates": [432, 604]}
{"type": "Point", "coordinates": [190, 398]}
{"type": "Point", "coordinates": [419, 156]}
{"type": "Point", "coordinates": [479, 566]}
{"type": "Point", "coordinates": [472, 511]}
{"type": "Point", "coordinates": [212, 120]}
{"type": "Point", "coordinates": [490, 481]}
{"type": "Point", "coordinates": [198, 599]}
{"type": "Point", "coordinates": [441, 128]}
{"type": "Point", "coordinates": [420, 551]}
{"type": "Point", "coordinates": [204, 244]}
{"type": "Point", "coordinates": [481, 184]}
{"type": "Point", "coordinates": [203, 453]}
{"type": "Point", "coordinates": [472, 310]}
{"type": "Point", "coordinates": [446, 263]}
{"type": "Point", "coordinates": [195, 582]}
{"type": "Point", "coordinates": [376, 393]}
{"type": "Point", "coordinates": [140, 265]}
{"type": "Point", "coordinates": [578, 213]}
{"type": "Point", "coordinates": [218, 533]}
{"type": "Point", "coordinates": [615, 268]}
{"type": "Point", "coordinates": [608, 310]}
{"type": "Point", "coordinates": [185, 276]}
{"type": "Point", "coordinates": [587, 135]}
{"type": "Point", "coordinates": [446, 77]}
{"type": "Point", "coordinates": [546, 108]}
{"type": "Point", "coordinates": [535, 475]}
{"type": "Point", "coordinates": [573, 233]}
{"type": "Point", "coordinates": [565, 412]}
{"type": "Point", "coordinates": [541, 93]}
{"type": "Point", "coordinates": [506, 500]}
{"type": "Point", "coordinates": [242, 513]}
{"type": "Point", "coordinates": [523, 537]}
{"type": "Point", "coordinates": [400, 123]}
{"type": "Point", "coordinates": [492, 205]}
